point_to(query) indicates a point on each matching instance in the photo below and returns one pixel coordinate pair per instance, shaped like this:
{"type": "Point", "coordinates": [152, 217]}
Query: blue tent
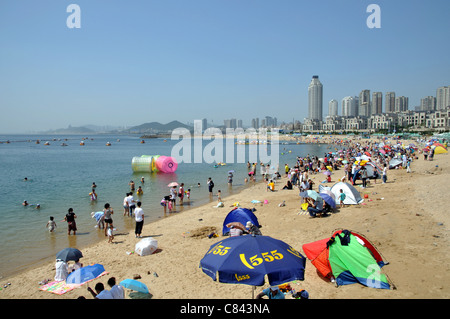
{"type": "Point", "coordinates": [241, 215]}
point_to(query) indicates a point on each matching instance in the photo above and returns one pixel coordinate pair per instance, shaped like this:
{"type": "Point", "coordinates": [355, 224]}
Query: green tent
{"type": "Point", "coordinates": [348, 257]}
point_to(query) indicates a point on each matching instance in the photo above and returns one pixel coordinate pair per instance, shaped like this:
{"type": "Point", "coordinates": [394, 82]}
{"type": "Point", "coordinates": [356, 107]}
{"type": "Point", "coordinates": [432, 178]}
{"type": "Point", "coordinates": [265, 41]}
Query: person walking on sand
{"type": "Point", "coordinates": [108, 211]}
{"type": "Point", "coordinates": [71, 224]}
{"type": "Point", "coordinates": [110, 233]}
{"type": "Point", "coordinates": [385, 173]}
{"type": "Point", "coordinates": [139, 218]}
{"type": "Point", "coordinates": [363, 172]}
{"type": "Point", "coordinates": [342, 198]}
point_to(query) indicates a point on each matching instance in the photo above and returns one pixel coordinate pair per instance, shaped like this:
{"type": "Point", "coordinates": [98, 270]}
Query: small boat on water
{"type": "Point", "coordinates": [108, 144]}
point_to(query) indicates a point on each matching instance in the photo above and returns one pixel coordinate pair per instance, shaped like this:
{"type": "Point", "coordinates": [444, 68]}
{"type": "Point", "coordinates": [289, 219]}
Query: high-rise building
{"type": "Point", "coordinates": [364, 103]}
{"type": "Point", "coordinates": [442, 97]}
{"type": "Point", "coordinates": [232, 123]}
{"type": "Point", "coordinates": [271, 121]}
{"type": "Point", "coordinates": [428, 103]}
{"type": "Point", "coordinates": [333, 108]}
{"type": "Point", "coordinates": [255, 123]}
{"type": "Point", "coordinates": [377, 103]}
{"type": "Point", "coordinates": [204, 124]}
{"type": "Point", "coordinates": [389, 104]}
{"type": "Point", "coordinates": [349, 106]}
{"type": "Point", "coordinates": [315, 95]}
{"type": "Point", "coordinates": [401, 103]}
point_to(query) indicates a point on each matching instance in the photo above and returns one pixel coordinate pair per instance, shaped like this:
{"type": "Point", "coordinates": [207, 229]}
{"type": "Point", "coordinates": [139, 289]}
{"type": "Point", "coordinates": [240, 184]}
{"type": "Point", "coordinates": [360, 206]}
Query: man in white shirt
{"type": "Point", "coordinates": [100, 292]}
{"type": "Point", "coordinates": [116, 290]}
{"type": "Point", "coordinates": [62, 270]}
{"type": "Point", "coordinates": [139, 218]}
{"type": "Point", "coordinates": [131, 205]}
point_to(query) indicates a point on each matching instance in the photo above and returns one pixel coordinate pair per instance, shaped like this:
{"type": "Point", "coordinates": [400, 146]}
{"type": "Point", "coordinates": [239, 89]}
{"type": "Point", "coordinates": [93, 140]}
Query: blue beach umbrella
{"type": "Point", "coordinates": [134, 285]}
{"type": "Point", "coordinates": [248, 259]}
{"type": "Point", "coordinates": [85, 274]}
{"type": "Point", "coordinates": [328, 199]}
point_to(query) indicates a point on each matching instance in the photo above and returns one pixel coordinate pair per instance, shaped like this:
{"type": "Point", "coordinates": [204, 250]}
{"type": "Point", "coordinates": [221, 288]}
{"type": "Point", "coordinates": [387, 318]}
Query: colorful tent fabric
{"type": "Point", "coordinates": [440, 150]}
{"type": "Point", "coordinates": [348, 257]}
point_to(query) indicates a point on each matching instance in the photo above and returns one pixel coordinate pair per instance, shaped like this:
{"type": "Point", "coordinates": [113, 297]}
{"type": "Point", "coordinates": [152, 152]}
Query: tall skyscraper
{"type": "Point", "coordinates": [442, 97]}
{"type": "Point", "coordinates": [389, 104]}
{"type": "Point", "coordinates": [428, 103]}
{"type": "Point", "coordinates": [333, 108]}
{"type": "Point", "coordinates": [349, 106]}
{"type": "Point", "coordinates": [377, 103]}
{"type": "Point", "coordinates": [401, 103]}
{"type": "Point", "coordinates": [315, 95]}
{"type": "Point", "coordinates": [255, 123]}
{"type": "Point", "coordinates": [364, 103]}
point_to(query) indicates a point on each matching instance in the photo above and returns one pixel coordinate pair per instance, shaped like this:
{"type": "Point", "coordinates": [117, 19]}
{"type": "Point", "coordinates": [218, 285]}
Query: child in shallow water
{"type": "Point", "coordinates": [51, 225]}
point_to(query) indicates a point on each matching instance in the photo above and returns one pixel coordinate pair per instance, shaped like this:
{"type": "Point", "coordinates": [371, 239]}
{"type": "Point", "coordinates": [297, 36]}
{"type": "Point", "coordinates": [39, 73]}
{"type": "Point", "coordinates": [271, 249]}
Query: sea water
{"type": "Point", "coordinates": [60, 177]}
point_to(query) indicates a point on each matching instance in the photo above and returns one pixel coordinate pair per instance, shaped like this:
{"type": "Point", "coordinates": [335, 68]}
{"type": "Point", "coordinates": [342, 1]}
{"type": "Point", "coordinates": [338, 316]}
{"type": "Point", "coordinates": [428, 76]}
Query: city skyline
{"type": "Point", "coordinates": [148, 61]}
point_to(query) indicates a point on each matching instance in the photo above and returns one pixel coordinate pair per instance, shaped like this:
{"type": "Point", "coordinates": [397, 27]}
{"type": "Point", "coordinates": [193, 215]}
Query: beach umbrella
{"type": "Point", "coordinates": [85, 274]}
{"type": "Point", "coordinates": [248, 259]}
{"type": "Point", "coordinates": [146, 246]}
{"type": "Point", "coordinates": [328, 199]}
{"type": "Point", "coordinates": [328, 192]}
{"type": "Point", "coordinates": [134, 285]}
{"type": "Point", "coordinates": [172, 184]}
{"type": "Point", "coordinates": [69, 254]}
{"type": "Point", "coordinates": [312, 194]}
{"type": "Point", "coordinates": [327, 173]}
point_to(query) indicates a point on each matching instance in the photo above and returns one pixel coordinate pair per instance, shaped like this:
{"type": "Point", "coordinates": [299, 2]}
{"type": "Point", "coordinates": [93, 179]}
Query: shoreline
{"type": "Point", "coordinates": [186, 208]}
{"type": "Point", "coordinates": [404, 229]}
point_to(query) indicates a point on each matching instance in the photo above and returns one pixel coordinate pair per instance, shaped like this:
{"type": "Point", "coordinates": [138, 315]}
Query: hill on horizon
{"type": "Point", "coordinates": [156, 127]}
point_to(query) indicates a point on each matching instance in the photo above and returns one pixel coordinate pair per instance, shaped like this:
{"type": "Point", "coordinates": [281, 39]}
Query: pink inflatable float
{"type": "Point", "coordinates": [154, 163]}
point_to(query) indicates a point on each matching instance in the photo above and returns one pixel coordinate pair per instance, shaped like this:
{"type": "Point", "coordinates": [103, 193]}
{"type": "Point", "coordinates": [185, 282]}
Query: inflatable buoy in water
{"type": "Point", "coordinates": [154, 163]}
{"type": "Point", "coordinates": [108, 144]}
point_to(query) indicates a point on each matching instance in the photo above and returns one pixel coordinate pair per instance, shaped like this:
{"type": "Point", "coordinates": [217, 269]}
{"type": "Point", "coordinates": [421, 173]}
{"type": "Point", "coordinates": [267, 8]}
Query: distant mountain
{"type": "Point", "coordinates": [71, 130]}
{"type": "Point", "coordinates": [156, 127]}
{"type": "Point", "coordinates": [146, 128]}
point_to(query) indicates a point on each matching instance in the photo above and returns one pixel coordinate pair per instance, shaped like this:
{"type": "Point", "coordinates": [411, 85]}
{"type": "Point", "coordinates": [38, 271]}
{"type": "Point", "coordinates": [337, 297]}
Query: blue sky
{"type": "Point", "coordinates": [137, 61]}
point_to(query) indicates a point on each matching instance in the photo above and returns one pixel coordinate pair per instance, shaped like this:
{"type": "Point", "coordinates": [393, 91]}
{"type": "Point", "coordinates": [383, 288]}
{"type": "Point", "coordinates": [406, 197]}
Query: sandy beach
{"type": "Point", "coordinates": [407, 220]}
